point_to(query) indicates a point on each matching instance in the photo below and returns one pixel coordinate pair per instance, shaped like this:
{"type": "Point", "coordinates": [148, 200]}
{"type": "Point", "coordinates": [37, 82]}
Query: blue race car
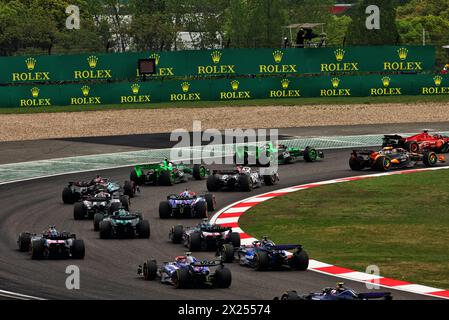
{"type": "Point", "coordinates": [187, 205]}
{"type": "Point", "coordinates": [340, 292]}
{"type": "Point", "coordinates": [187, 272]}
{"type": "Point", "coordinates": [265, 255]}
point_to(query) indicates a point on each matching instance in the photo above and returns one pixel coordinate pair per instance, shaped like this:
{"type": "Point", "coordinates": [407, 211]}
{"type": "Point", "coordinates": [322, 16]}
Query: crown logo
{"type": "Point", "coordinates": [335, 82]}
{"type": "Point", "coordinates": [35, 92]}
{"type": "Point", "coordinates": [285, 84]}
{"type": "Point", "coordinates": [438, 80]}
{"type": "Point", "coordinates": [339, 54]}
{"type": "Point", "coordinates": [156, 57]}
{"type": "Point", "coordinates": [31, 63]}
{"type": "Point", "coordinates": [92, 61]}
{"type": "Point", "coordinates": [403, 53]}
{"type": "Point", "coordinates": [235, 85]}
{"type": "Point", "coordinates": [386, 81]}
{"type": "Point", "coordinates": [185, 86]}
{"type": "Point", "coordinates": [135, 88]}
{"type": "Point", "coordinates": [216, 56]}
{"type": "Point", "coordinates": [85, 90]}
{"type": "Point", "coordinates": [278, 55]}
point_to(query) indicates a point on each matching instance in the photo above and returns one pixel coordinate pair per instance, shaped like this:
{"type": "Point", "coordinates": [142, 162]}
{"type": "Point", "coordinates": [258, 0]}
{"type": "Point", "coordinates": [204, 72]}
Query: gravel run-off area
{"type": "Point", "coordinates": [17, 127]}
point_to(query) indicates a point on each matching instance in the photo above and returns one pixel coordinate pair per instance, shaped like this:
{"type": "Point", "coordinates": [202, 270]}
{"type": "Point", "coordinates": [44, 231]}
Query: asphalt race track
{"type": "Point", "coordinates": [109, 268]}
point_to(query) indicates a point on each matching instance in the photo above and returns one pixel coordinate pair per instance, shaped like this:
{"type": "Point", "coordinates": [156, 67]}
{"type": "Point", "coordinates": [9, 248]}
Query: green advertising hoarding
{"type": "Point", "coordinates": [217, 63]}
{"type": "Point", "coordinates": [146, 93]}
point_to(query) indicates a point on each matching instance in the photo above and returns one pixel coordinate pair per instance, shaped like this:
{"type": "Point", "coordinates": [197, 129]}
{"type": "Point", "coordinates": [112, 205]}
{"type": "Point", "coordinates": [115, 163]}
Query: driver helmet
{"type": "Point", "coordinates": [246, 170]}
{"type": "Point", "coordinates": [122, 212]}
{"type": "Point", "coordinates": [52, 231]}
{"type": "Point", "coordinates": [189, 258]}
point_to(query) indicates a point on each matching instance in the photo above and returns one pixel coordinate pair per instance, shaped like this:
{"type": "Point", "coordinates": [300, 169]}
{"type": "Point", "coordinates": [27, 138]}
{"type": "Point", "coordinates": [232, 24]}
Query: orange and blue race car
{"type": "Point", "coordinates": [392, 158]}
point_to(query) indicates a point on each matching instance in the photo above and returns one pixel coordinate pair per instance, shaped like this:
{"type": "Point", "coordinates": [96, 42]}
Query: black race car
{"type": "Point", "coordinates": [204, 236]}
{"type": "Point", "coordinates": [242, 178]}
{"type": "Point", "coordinates": [187, 205]}
{"type": "Point", "coordinates": [391, 158]}
{"type": "Point", "coordinates": [340, 292]}
{"type": "Point", "coordinates": [75, 191]}
{"type": "Point", "coordinates": [51, 244]}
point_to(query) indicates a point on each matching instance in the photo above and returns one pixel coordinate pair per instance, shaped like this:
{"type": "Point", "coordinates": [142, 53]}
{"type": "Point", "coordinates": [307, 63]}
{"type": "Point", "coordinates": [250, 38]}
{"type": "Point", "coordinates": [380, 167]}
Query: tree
{"type": "Point", "coordinates": [358, 33]}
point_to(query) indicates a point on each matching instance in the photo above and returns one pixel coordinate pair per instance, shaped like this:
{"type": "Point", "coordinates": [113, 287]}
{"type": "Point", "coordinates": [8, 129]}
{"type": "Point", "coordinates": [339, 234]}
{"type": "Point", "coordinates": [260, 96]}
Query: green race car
{"type": "Point", "coordinates": [167, 173]}
{"type": "Point", "coordinates": [266, 154]}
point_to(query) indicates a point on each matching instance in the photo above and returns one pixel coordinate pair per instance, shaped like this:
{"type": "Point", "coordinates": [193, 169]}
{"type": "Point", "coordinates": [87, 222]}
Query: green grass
{"type": "Point", "coordinates": [399, 223]}
{"type": "Point", "coordinates": [211, 104]}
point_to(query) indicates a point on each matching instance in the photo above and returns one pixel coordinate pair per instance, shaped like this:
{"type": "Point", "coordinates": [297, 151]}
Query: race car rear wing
{"type": "Point", "coordinates": [217, 229]}
{"type": "Point", "coordinates": [228, 172]}
{"type": "Point", "coordinates": [207, 263]}
{"type": "Point", "coordinates": [97, 199]}
{"type": "Point", "coordinates": [286, 247]}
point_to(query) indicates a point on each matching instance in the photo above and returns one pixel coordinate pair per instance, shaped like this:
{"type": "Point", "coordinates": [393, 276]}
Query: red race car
{"type": "Point", "coordinates": [419, 142]}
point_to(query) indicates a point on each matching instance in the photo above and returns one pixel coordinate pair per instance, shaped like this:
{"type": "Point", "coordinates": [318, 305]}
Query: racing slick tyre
{"type": "Point", "coordinates": [37, 250]}
{"type": "Point", "coordinates": [125, 202]}
{"type": "Point", "coordinates": [176, 234]}
{"type": "Point", "coordinates": [181, 279]}
{"type": "Point", "coordinates": [24, 241]}
{"type": "Point", "coordinates": [105, 230]}
{"type": "Point", "coordinates": [164, 210]}
{"type": "Point", "coordinates": [300, 261]}
{"type": "Point", "coordinates": [355, 164]}
{"type": "Point", "coordinates": [262, 261]}
{"type": "Point", "coordinates": [67, 196]}
{"type": "Point", "coordinates": [115, 206]}
{"type": "Point", "coordinates": [270, 180]}
{"type": "Point", "coordinates": [140, 181]}
{"type": "Point", "coordinates": [412, 146]}
{"type": "Point", "coordinates": [79, 211]}
{"type": "Point", "coordinates": [129, 189]}
{"type": "Point", "coordinates": [430, 158]}
{"type": "Point", "coordinates": [227, 253]}
{"type": "Point", "coordinates": [290, 295]}
{"type": "Point", "coordinates": [165, 178]}
{"type": "Point", "coordinates": [310, 154]}
{"type": "Point", "coordinates": [150, 270]}
{"type": "Point", "coordinates": [245, 183]}
{"type": "Point", "coordinates": [78, 250]}
{"type": "Point", "coordinates": [234, 238]}
{"type": "Point", "coordinates": [194, 242]}
{"type": "Point", "coordinates": [201, 210]}
{"type": "Point", "coordinates": [199, 172]}
{"type": "Point", "coordinates": [211, 203]}
{"type": "Point", "coordinates": [98, 217]}
{"type": "Point", "coordinates": [143, 229]}
{"type": "Point", "coordinates": [213, 183]}
{"type": "Point", "coordinates": [382, 163]}
{"type": "Point", "coordinates": [223, 278]}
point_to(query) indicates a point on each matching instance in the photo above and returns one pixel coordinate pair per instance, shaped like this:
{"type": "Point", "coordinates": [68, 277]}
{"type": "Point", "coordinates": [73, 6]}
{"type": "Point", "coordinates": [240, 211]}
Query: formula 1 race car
{"type": "Point", "coordinates": [391, 158]}
{"type": "Point", "coordinates": [418, 143]}
{"type": "Point", "coordinates": [122, 224]}
{"type": "Point", "coordinates": [103, 202]}
{"type": "Point", "coordinates": [75, 191]}
{"type": "Point", "coordinates": [187, 272]}
{"type": "Point", "coordinates": [167, 173]}
{"type": "Point", "coordinates": [187, 205]}
{"type": "Point", "coordinates": [51, 244]}
{"type": "Point", "coordinates": [242, 178]}
{"type": "Point", "coordinates": [264, 155]}
{"type": "Point", "coordinates": [204, 236]}
{"type": "Point", "coordinates": [265, 255]}
{"type": "Point", "coordinates": [340, 292]}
